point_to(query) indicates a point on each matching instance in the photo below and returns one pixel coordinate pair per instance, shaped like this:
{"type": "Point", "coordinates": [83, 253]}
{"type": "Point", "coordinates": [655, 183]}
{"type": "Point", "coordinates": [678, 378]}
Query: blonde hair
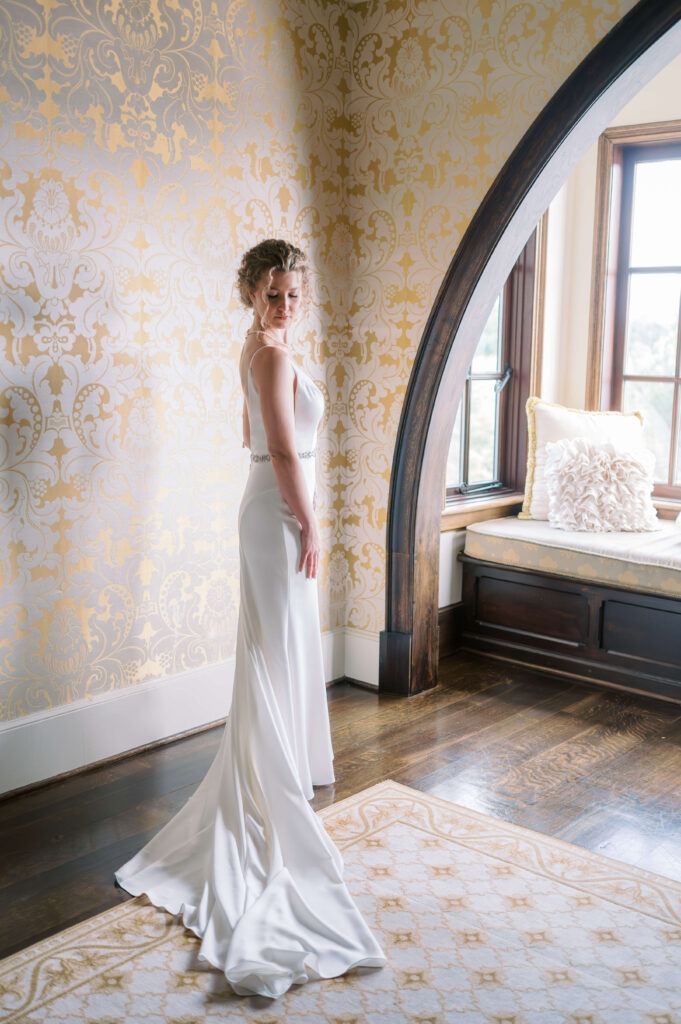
{"type": "Point", "coordinates": [271, 254]}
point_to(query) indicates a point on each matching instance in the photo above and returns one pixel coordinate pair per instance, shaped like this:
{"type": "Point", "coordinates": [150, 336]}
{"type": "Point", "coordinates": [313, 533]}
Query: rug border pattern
{"type": "Point", "coordinates": [81, 950]}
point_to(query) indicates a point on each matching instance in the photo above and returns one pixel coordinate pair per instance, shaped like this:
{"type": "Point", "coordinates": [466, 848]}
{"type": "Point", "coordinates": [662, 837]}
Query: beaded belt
{"type": "Point", "coordinates": [268, 458]}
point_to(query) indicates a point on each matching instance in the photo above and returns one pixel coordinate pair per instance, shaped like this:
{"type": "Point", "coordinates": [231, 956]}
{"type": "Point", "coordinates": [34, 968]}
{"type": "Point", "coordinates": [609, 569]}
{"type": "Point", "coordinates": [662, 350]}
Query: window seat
{"type": "Point", "coordinates": [642, 561]}
{"type": "Point", "coordinates": [602, 607]}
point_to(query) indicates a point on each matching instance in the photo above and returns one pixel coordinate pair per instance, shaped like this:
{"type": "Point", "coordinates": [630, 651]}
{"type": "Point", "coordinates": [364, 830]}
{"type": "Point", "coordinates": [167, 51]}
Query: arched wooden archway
{"type": "Point", "coordinates": [409, 644]}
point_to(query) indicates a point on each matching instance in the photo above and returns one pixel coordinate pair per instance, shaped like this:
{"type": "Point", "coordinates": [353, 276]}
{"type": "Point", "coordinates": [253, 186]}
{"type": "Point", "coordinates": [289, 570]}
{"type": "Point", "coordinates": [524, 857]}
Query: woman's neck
{"type": "Point", "coordinates": [278, 337]}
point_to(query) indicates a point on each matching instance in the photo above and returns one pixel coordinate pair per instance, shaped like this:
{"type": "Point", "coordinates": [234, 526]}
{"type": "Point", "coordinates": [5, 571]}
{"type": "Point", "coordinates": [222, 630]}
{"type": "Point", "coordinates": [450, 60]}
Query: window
{"type": "Point", "coordinates": [489, 442]}
{"type": "Point", "coordinates": [638, 291]}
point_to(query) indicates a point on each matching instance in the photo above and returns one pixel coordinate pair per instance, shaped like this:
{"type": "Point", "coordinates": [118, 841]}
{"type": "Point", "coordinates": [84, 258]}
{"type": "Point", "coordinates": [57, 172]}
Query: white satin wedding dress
{"type": "Point", "coordinates": [246, 861]}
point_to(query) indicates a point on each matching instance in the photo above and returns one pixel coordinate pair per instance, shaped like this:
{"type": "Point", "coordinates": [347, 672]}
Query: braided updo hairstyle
{"type": "Point", "coordinates": [271, 254]}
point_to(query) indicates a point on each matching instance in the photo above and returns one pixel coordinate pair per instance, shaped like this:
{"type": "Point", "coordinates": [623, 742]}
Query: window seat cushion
{"type": "Point", "coordinates": [648, 562]}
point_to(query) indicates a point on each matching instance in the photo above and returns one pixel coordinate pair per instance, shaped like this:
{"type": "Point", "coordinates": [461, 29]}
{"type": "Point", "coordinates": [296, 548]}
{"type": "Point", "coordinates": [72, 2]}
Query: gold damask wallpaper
{"type": "Point", "coordinates": [440, 92]}
{"type": "Point", "coordinates": [143, 145]}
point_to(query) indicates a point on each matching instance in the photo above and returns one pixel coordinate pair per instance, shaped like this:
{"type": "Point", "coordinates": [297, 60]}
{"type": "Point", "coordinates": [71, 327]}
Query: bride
{"type": "Point", "coordinates": [246, 861]}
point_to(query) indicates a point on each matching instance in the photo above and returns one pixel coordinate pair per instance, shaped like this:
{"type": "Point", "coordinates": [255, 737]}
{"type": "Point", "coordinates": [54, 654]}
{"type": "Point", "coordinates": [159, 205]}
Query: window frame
{"type": "Point", "coordinates": [617, 149]}
{"type": "Point", "coordinates": [522, 301]}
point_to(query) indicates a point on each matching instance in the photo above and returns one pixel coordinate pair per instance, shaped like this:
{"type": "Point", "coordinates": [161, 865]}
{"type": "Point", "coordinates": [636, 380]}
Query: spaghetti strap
{"type": "Point", "coordinates": [249, 375]}
{"type": "Point", "coordinates": [287, 354]}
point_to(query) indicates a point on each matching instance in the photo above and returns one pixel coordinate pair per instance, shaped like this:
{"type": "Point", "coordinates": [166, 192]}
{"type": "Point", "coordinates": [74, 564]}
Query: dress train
{"type": "Point", "coordinates": [246, 862]}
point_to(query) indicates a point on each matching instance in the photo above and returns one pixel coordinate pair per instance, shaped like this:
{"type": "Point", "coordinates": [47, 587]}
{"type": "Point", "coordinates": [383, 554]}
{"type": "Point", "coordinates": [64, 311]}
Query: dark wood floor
{"type": "Point", "coordinates": [594, 767]}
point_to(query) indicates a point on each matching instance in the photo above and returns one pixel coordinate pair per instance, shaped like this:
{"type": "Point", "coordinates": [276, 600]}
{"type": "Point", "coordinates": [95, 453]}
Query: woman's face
{"type": "Point", "coordinates": [277, 298]}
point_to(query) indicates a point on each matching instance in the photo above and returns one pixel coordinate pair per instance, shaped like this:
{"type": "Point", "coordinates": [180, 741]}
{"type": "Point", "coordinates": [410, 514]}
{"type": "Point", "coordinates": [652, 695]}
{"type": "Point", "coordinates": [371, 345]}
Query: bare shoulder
{"type": "Point", "coordinates": [270, 363]}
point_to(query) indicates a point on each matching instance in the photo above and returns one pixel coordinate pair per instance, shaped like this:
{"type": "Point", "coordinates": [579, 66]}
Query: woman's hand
{"type": "Point", "coordinates": [309, 554]}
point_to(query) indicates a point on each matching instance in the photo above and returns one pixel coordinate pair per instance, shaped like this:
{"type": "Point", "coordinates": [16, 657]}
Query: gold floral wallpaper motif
{"type": "Point", "coordinates": [143, 145]}
{"type": "Point", "coordinates": [439, 92]}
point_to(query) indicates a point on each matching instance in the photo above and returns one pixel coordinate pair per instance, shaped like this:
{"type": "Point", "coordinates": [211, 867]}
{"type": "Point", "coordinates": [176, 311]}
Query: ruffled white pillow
{"type": "Point", "coordinates": [548, 422]}
{"type": "Point", "coordinates": [596, 487]}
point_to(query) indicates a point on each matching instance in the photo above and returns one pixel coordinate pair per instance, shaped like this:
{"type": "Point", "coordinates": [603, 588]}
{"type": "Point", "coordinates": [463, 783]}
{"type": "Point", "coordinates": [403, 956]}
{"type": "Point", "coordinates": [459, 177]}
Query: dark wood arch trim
{"type": "Point", "coordinates": [409, 644]}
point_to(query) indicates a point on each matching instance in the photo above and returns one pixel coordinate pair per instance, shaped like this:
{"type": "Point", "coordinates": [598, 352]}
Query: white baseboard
{"type": "Point", "coordinates": [50, 743]}
{"type": "Point", "coordinates": [333, 650]}
{"type": "Point", "coordinates": [361, 655]}
{"type": "Point", "coordinates": [351, 652]}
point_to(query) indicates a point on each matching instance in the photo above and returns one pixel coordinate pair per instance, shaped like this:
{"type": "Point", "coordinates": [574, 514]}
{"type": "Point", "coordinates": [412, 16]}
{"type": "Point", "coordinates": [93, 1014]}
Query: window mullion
{"type": "Point", "coordinates": [500, 464]}
{"type": "Point", "coordinates": [623, 281]}
{"type": "Point", "coordinates": [673, 455]}
{"type": "Point", "coordinates": [466, 431]}
{"type": "Point", "coordinates": [678, 340]}
{"type": "Point", "coordinates": [672, 446]}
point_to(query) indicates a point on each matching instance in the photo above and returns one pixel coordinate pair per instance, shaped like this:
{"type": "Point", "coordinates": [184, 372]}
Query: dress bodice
{"type": "Point", "coordinates": [309, 408]}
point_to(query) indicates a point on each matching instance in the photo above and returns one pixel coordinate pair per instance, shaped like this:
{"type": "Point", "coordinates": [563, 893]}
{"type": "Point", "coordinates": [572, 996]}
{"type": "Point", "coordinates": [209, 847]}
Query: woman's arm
{"type": "Point", "coordinates": [273, 377]}
{"type": "Point", "coordinates": [245, 427]}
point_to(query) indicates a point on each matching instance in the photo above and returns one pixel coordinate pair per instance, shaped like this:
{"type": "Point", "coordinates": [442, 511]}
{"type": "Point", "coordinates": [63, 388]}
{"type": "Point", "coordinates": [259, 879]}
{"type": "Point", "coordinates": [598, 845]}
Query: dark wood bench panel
{"type": "Point", "coordinates": [602, 633]}
{"type": "Point", "coordinates": [531, 608]}
{"type": "Point", "coordinates": [638, 631]}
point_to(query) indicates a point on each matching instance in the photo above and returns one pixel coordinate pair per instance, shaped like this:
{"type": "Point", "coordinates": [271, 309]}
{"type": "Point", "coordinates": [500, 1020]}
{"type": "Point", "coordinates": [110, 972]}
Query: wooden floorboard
{"type": "Point", "coordinates": [595, 767]}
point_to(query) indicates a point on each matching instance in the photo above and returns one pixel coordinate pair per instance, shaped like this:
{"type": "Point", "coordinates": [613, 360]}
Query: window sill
{"type": "Point", "coordinates": [667, 508]}
{"type": "Point", "coordinates": [459, 515]}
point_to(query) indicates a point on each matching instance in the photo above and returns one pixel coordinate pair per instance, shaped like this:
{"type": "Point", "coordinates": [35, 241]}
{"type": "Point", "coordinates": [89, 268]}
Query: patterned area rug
{"type": "Point", "coordinates": [482, 921]}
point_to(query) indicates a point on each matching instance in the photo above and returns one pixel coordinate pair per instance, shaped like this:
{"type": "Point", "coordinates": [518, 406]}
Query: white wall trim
{"type": "Point", "coordinates": [351, 652]}
{"type": "Point", "coordinates": [450, 579]}
{"type": "Point", "coordinates": [59, 740]}
{"type": "Point", "coordinates": [50, 743]}
{"type": "Point", "coordinates": [333, 650]}
{"type": "Point", "coordinates": [361, 655]}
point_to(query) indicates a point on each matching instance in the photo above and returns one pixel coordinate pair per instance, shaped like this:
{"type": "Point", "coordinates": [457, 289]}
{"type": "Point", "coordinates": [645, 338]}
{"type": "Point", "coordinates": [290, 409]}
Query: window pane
{"type": "Point", "coordinates": [652, 324]}
{"type": "Point", "coordinates": [487, 358]}
{"type": "Point", "coordinates": [655, 401]}
{"type": "Point", "coordinates": [454, 457]}
{"type": "Point", "coordinates": [482, 455]}
{"type": "Point", "coordinates": [656, 216]}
